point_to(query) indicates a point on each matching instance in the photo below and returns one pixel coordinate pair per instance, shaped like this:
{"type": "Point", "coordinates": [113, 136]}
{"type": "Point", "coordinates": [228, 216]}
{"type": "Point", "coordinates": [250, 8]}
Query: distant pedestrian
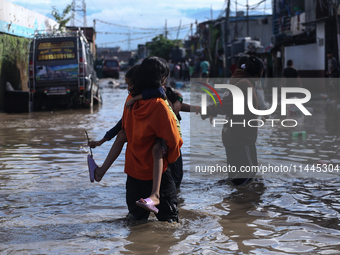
{"type": "Point", "coordinates": [197, 68]}
{"type": "Point", "coordinates": [191, 69]}
{"type": "Point", "coordinates": [332, 71]}
{"type": "Point", "coordinates": [185, 70]}
{"type": "Point", "coordinates": [293, 74]}
{"type": "Point", "coordinates": [332, 66]}
{"type": "Point", "coordinates": [177, 69]}
{"type": "Point", "coordinates": [241, 64]}
{"type": "Point", "coordinates": [239, 141]}
{"type": "Point", "coordinates": [171, 67]}
{"type": "Point", "coordinates": [205, 67]}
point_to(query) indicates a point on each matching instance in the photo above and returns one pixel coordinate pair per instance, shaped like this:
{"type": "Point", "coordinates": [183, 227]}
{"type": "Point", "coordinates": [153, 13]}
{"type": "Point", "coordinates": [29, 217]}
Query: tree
{"type": "Point", "coordinates": [161, 47]}
{"type": "Point", "coordinates": [62, 18]}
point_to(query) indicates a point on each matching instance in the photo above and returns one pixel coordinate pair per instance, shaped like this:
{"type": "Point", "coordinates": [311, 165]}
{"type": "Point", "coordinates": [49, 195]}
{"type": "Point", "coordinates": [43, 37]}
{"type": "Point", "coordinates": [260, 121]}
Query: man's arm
{"type": "Point", "coordinates": [108, 136]}
{"type": "Point", "coordinates": [190, 108]}
{"type": "Point", "coordinates": [114, 131]}
{"type": "Point", "coordinates": [224, 109]}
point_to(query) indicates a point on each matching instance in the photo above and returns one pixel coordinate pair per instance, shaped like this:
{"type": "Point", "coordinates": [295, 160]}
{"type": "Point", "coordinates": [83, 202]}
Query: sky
{"type": "Point", "coordinates": [136, 18]}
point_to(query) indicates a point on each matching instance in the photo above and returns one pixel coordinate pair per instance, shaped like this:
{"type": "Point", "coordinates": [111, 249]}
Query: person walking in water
{"type": "Point", "coordinates": [205, 67]}
{"type": "Point", "coordinates": [292, 74]}
{"type": "Point", "coordinates": [158, 151]}
{"type": "Point", "coordinates": [147, 121]}
{"type": "Point", "coordinates": [239, 141]}
{"type": "Point", "coordinates": [332, 71]}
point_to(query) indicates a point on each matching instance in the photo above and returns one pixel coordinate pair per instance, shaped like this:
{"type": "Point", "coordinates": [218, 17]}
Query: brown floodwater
{"type": "Point", "coordinates": [49, 206]}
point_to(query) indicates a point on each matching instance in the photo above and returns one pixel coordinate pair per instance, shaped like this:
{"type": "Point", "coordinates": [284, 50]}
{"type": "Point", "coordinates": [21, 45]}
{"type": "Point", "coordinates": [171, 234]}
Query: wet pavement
{"type": "Point", "coordinates": [49, 206]}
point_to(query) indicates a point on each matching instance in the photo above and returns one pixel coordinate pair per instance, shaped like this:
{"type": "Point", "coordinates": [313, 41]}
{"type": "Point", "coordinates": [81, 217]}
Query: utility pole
{"type": "Point", "coordinates": [84, 13]}
{"type": "Point", "coordinates": [236, 28]}
{"type": "Point", "coordinates": [247, 19]}
{"type": "Point", "coordinates": [211, 12]}
{"type": "Point", "coordinates": [335, 8]}
{"type": "Point", "coordinates": [227, 21]}
{"type": "Point", "coordinates": [94, 42]}
{"type": "Point", "coordinates": [79, 9]}
{"type": "Point", "coordinates": [225, 38]}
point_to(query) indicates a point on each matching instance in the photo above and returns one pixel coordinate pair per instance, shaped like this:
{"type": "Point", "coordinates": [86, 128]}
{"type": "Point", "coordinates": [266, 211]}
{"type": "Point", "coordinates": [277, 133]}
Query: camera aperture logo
{"type": "Point", "coordinates": [208, 92]}
{"type": "Point", "coordinates": [239, 105]}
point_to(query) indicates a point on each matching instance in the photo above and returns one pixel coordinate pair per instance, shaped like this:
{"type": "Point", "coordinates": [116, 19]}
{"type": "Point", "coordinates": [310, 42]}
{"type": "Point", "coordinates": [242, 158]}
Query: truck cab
{"type": "Point", "coordinates": [61, 70]}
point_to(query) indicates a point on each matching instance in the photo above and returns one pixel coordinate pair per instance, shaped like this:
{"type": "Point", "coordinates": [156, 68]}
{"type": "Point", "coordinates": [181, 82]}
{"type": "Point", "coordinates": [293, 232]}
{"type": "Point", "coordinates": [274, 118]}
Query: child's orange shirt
{"type": "Point", "coordinates": [143, 123]}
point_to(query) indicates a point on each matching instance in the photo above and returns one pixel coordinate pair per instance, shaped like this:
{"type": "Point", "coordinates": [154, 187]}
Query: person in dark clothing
{"type": "Point", "coordinates": [239, 140]}
{"type": "Point", "coordinates": [197, 68]}
{"type": "Point", "coordinates": [185, 70]}
{"type": "Point", "coordinates": [292, 74]}
{"type": "Point", "coordinates": [332, 71]}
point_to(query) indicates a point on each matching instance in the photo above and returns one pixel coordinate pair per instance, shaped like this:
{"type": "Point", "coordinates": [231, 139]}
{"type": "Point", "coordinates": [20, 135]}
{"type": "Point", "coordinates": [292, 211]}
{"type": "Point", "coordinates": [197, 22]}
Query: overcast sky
{"type": "Point", "coordinates": [134, 14]}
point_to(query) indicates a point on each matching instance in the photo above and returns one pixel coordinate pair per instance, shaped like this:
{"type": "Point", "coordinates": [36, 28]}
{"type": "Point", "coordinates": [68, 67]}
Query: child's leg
{"type": "Point", "coordinates": [157, 154]}
{"type": "Point", "coordinates": [112, 156]}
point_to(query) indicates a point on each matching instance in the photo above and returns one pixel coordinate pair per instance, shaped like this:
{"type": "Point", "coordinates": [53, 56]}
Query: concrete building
{"type": "Point", "coordinates": [303, 31]}
{"type": "Point", "coordinates": [221, 41]}
{"type": "Point", "coordinates": [19, 21]}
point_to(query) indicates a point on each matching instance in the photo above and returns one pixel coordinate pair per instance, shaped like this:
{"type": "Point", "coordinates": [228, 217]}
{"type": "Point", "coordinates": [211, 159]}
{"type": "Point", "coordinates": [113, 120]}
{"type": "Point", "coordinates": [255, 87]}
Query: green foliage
{"type": "Point", "coordinates": [161, 47]}
{"type": "Point", "coordinates": [13, 59]}
{"type": "Point", "coordinates": [13, 63]}
{"type": "Point", "coordinates": [62, 18]}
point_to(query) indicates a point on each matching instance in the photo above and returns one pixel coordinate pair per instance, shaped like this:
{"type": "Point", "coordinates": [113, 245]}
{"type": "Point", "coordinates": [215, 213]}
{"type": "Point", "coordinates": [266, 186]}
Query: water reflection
{"type": "Point", "coordinates": [242, 204]}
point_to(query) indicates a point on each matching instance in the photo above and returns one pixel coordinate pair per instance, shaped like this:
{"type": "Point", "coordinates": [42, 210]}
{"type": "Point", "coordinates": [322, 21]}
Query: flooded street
{"type": "Point", "coordinates": [49, 206]}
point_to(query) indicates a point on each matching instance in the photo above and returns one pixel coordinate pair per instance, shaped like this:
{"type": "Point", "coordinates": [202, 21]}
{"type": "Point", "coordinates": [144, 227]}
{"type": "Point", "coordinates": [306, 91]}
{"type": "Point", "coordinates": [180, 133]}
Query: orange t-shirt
{"type": "Point", "coordinates": [147, 120]}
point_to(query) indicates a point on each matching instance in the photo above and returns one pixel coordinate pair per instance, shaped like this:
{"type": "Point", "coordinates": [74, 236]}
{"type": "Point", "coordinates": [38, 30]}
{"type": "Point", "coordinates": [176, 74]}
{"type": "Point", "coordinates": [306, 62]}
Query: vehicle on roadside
{"type": "Point", "coordinates": [111, 67]}
{"type": "Point", "coordinates": [124, 66]}
{"type": "Point", "coordinates": [61, 70]}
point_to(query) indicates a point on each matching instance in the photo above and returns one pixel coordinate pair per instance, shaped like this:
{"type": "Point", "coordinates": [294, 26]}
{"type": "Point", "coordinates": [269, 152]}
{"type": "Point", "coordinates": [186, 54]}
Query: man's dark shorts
{"type": "Point", "coordinates": [137, 189]}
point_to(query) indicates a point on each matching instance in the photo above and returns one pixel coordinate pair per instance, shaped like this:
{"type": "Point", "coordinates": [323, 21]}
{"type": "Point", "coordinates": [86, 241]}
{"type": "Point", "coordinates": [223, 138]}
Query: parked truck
{"type": "Point", "coordinates": [61, 70]}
